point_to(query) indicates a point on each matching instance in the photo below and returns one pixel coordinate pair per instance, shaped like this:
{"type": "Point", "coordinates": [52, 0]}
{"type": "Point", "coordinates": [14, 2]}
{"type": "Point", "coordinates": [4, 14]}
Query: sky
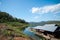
{"type": "Point", "coordinates": [32, 10]}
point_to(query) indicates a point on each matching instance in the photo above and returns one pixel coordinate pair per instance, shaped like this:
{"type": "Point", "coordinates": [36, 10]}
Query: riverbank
{"type": "Point", "coordinates": [12, 27]}
{"type": "Point", "coordinates": [48, 35]}
{"type": "Point", "coordinates": [31, 34]}
{"type": "Point", "coordinates": [7, 31]}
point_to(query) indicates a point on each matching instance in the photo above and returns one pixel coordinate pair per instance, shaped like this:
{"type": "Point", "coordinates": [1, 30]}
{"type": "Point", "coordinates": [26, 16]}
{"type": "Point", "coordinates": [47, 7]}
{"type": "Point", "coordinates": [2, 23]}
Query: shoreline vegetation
{"type": "Point", "coordinates": [12, 28]}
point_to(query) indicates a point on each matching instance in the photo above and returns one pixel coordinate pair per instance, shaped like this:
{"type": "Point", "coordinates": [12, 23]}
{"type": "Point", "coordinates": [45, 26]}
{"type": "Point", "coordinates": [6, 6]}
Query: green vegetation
{"type": "Point", "coordinates": [5, 17]}
{"type": "Point", "coordinates": [11, 27]}
{"type": "Point", "coordinates": [43, 23]}
{"type": "Point", "coordinates": [14, 27]}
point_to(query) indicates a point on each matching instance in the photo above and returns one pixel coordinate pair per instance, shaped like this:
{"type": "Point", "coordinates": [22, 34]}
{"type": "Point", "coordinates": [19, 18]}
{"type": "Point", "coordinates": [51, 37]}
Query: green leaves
{"type": "Point", "coordinates": [14, 26]}
{"type": "Point", "coordinates": [6, 17]}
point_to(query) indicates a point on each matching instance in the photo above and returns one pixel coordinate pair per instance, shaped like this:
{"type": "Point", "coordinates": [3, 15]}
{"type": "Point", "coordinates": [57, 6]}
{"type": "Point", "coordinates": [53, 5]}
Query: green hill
{"type": "Point", "coordinates": [44, 22]}
{"type": "Point", "coordinates": [6, 17]}
{"type": "Point", "coordinates": [11, 27]}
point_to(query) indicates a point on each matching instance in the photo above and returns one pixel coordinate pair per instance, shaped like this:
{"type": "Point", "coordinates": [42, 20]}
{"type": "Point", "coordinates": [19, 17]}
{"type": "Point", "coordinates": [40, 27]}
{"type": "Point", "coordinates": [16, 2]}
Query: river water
{"type": "Point", "coordinates": [31, 34]}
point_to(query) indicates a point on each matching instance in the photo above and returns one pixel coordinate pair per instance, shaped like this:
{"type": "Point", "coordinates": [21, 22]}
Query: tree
{"type": "Point", "coordinates": [6, 17]}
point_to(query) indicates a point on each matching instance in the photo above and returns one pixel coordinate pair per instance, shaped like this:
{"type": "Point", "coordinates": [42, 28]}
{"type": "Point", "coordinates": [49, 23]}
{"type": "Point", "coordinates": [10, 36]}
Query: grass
{"type": "Point", "coordinates": [14, 28]}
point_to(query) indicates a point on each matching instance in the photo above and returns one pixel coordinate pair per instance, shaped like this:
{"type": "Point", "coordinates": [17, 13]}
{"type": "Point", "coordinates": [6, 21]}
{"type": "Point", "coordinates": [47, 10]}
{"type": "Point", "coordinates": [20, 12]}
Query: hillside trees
{"type": "Point", "coordinates": [6, 17]}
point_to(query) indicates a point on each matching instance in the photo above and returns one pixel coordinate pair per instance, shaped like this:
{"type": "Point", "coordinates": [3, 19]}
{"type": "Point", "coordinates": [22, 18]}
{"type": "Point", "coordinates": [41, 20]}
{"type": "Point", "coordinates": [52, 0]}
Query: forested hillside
{"type": "Point", "coordinates": [11, 27]}
{"type": "Point", "coordinates": [6, 17]}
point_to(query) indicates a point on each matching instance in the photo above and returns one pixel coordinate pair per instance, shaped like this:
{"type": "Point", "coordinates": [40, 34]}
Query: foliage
{"type": "Point", "coordinates": [11, 26]}
{"type": "Point", "coordinates": [5, 17]}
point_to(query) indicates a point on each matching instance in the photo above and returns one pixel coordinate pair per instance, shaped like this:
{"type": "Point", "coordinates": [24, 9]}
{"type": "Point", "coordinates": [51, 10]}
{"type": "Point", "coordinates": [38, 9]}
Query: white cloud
{"type": "Point", "coordinates": [47, 9]}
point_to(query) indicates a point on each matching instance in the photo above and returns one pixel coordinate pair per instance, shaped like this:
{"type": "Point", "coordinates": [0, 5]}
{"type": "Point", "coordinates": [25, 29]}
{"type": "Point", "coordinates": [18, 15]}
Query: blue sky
{"type": "Point", "coordinates": [32, 10]}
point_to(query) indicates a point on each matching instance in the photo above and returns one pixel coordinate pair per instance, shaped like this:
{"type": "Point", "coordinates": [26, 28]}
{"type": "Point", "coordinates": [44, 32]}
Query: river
{"type": "Point", "coordinates": [31, 34]}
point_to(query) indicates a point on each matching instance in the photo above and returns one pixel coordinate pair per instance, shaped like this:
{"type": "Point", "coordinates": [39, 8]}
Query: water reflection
{"type": "Point", "coordinates": [31, 34]}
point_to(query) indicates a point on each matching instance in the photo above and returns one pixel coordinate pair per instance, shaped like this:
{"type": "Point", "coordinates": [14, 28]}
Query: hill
{"type": "Point", "coordinates": [11, 28]}
{"type": "Point", "coordinates": [44, 22]}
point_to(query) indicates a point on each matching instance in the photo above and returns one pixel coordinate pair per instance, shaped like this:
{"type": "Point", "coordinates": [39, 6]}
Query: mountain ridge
{"type": "Point", "coordinates": [44, 22]}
